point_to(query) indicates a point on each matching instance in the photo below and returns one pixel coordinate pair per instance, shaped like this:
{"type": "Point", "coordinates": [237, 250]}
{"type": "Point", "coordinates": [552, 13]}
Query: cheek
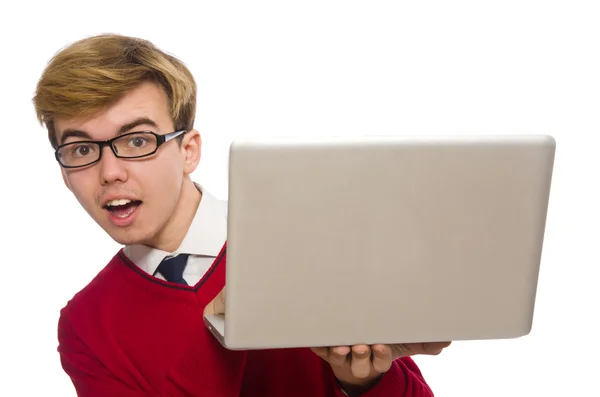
{"type": "Point", "coordinates": [83, 187]}
{"type": "Point", "coordinates": [161, 183]}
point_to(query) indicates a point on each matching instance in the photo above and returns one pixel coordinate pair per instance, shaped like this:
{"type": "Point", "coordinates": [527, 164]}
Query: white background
{"type": "Point", "coordinates": [324, 67]}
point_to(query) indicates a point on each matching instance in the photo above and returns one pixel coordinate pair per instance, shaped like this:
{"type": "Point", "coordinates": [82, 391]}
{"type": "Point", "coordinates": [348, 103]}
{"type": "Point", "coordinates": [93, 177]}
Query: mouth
{"type": "Point", "coordinates": [122, 208]}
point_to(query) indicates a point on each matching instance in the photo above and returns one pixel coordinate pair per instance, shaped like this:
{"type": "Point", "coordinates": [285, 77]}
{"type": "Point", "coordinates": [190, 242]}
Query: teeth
{"type": "Point", "coordinates": [115, 203]}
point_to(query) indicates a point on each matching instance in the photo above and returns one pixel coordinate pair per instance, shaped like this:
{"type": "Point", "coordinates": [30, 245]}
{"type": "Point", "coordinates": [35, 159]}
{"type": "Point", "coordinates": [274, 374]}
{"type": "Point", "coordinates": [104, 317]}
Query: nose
{"type": "Point", "coordinates": [112, 168]}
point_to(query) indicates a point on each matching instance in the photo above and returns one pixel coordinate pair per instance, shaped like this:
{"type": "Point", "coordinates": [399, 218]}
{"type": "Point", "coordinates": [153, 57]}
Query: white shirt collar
{"type": "Point", "coordinates": [205, 237]}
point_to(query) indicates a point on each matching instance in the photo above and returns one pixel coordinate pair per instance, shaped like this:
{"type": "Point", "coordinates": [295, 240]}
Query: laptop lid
{"type": "Point", "coordinates": [343, 241]}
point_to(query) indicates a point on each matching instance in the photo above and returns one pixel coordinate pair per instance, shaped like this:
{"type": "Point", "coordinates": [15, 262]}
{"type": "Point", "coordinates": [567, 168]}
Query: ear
{"type": "Point", "coordinates": [192, 148]}
{"type": "Point", "coordinates": [64, 177]}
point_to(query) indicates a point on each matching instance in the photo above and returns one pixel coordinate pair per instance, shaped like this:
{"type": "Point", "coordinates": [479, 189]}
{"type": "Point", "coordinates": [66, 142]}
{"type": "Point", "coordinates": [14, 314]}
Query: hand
{"type": "Point", "coordinates": [217, 305]}
{"type": "Point", "coordinates": [358, 368]}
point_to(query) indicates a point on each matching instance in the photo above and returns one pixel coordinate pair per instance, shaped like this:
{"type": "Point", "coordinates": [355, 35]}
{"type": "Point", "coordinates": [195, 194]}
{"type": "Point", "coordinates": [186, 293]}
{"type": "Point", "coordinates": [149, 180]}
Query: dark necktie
{"type": "Point", "coordinates": [172, 268]}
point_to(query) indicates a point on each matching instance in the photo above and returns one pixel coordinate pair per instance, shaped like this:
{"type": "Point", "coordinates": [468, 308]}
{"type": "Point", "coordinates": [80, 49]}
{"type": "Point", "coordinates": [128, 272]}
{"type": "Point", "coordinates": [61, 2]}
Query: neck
{"type": "Point", "coordinates": [173, 233]}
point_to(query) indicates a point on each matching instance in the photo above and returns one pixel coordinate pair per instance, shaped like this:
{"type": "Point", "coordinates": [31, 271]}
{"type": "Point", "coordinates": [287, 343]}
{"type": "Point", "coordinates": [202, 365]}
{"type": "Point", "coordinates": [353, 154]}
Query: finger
{"type": "Point", "coordinates": [382, 358]}
{"type": "Point", "coordinates": [322, 352]}
{"type": "Point", "coordinates": [402, 350]}
{"type": "Point", "coordinates": [338, 356]}
{"type": "Point", "coordinates": [411, 349]}
{"type": "Point", "coordinates": [217, 305]}
{"type": "Point", "coordinates": [434, 348]}
{"type": "Point", "coordinates": [361, 361]}
{"type": "Point", "coordinates": [428, 348]}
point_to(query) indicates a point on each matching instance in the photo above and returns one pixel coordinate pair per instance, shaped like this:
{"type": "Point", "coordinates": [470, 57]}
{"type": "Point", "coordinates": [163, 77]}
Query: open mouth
{"type": "Point", "coordinates": [122, 208]}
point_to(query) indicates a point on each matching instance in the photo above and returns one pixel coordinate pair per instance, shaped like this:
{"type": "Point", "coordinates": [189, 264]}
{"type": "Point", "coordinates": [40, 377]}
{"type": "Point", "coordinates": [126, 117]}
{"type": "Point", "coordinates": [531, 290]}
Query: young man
{"type": "Point", "coordinates": [120, 115]}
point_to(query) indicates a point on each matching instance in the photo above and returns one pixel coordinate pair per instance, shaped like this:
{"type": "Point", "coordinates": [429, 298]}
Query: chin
{"type": "Point", "coordinates": [127, 237]}
{"type": "Point", "coordinates": [126, 240]}
{"type": "Point", "coordinates": [135, 233]}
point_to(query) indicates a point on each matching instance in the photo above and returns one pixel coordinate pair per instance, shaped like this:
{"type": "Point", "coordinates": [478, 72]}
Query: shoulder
{"type": "Point", "coordinates": [87, 300]}
{"type": "Point", "coordinates": [224, 205]}
{"type": "Point", "coordinates": [219, 202]}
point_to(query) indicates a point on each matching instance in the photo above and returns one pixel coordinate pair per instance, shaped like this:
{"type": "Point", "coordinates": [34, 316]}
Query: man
{"type": "Point", "coordinates": [120, 113]}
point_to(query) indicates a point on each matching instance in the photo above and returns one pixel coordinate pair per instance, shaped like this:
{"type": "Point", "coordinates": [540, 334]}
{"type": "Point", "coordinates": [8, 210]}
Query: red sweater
{"type": "Point", "coordinates": [128, 334]}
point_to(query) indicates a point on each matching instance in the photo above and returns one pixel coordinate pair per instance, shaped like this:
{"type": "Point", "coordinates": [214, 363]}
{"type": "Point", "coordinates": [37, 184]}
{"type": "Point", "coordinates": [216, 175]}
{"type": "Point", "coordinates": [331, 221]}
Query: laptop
{"type": "Point", "coordinates": [392, 239]}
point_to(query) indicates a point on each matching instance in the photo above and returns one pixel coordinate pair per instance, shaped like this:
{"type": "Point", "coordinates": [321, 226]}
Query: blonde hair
{"type": "Point", "coordinates": [93, 73]}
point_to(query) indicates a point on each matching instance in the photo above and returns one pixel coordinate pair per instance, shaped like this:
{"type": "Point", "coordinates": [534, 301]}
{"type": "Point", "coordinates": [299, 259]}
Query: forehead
{"type": "Point", "coordinates": [147, 101]}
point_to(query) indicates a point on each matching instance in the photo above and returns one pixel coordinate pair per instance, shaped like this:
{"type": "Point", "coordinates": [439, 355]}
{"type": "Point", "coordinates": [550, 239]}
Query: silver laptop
{"type": "Point", "coordinates": [363, 240]}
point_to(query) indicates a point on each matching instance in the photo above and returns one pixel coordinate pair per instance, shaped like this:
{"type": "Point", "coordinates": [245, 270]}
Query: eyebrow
{"type": "Point", "coordinates": [74, 133]}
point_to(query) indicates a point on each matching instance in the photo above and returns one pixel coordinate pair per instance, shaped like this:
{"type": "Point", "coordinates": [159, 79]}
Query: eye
{"type": "Point", "coordinates": [137, 141]}
{"type": "Point", "coordinates": [82, 150]}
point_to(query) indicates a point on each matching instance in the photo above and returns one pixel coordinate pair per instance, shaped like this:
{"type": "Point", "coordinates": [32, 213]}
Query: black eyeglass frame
{"type": "Point", "coordinates": [160, 140]}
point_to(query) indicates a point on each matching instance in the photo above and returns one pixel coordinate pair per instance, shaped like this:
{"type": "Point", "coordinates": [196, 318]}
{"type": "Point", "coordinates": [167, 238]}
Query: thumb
{"type": "Point", "coordinates": [217, 305]}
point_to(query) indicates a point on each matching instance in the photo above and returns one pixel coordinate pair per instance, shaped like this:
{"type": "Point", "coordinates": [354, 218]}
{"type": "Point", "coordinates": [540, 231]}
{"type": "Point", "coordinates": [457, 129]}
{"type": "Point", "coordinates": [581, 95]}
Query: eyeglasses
{"type": "Point", "coordinates": [132, 145]}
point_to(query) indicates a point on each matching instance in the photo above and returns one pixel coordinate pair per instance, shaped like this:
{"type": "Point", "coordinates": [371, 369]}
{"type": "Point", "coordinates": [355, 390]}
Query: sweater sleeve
{"type": "Point", "coordinates": [91, 378]}
{"type": "Point", "coordinates": [403, 379]}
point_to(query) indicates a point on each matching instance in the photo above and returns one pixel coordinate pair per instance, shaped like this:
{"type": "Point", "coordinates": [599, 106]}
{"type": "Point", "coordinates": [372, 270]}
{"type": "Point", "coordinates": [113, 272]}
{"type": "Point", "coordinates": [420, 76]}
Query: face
{"type": "Point", "coordinates": [136, 201]}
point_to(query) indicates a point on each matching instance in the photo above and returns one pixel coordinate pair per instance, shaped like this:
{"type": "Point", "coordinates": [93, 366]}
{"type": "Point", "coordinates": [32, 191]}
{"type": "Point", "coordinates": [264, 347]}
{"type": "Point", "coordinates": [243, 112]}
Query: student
{"type": "Point", "coordinates": [120, 115]}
